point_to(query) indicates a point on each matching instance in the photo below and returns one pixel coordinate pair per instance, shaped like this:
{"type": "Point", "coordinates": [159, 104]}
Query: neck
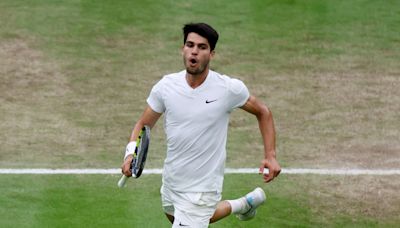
{"type": "Point", "coordinates": [195, 80]}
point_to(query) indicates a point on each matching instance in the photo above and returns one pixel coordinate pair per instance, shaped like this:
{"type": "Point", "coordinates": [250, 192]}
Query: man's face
{"type": "Point", "coordinates": [196, 54]}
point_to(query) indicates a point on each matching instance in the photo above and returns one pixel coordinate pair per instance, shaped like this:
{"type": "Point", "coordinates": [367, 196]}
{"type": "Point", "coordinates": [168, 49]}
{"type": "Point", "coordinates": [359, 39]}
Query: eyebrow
{"type": "Point", "coordinates": [199, 44]}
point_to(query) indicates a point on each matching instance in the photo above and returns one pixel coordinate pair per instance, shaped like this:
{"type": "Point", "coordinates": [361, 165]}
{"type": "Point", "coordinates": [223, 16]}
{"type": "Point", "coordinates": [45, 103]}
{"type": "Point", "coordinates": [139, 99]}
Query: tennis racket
{"type": "Point", "coordinates": [140, 155]}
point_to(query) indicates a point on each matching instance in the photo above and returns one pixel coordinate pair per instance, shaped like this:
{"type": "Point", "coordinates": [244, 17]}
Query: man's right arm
{"type": "Point", "coordinates": [149, 118]}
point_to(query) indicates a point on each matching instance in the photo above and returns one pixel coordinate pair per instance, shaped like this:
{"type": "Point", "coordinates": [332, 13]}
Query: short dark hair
{"type": "Point", "coordinates": [203, 30]}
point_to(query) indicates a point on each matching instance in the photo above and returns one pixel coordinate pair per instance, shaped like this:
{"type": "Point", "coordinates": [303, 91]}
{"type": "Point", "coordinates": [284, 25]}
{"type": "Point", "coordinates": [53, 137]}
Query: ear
{"type": "Point", "coordinates": [212, 53]}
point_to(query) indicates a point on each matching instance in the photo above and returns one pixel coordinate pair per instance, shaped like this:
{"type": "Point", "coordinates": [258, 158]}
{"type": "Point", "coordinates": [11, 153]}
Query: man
{"type": "Point", "coordinates": [196, 103]}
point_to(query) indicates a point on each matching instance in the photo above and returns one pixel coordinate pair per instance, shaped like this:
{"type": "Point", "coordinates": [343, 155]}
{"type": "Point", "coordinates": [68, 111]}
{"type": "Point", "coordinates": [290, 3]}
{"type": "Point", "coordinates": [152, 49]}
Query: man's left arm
{"type": "Point", "coordinates": [267, 129]}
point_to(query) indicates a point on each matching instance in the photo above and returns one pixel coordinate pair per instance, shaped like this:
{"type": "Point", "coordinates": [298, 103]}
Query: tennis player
{"type": "Point", "coordinates": [196, 104]}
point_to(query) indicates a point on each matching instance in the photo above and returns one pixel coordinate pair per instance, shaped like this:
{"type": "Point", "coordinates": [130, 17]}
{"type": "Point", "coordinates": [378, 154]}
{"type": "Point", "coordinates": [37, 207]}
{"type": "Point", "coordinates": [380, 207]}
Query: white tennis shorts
{"type": "Point", "coordinates": [190, 209]}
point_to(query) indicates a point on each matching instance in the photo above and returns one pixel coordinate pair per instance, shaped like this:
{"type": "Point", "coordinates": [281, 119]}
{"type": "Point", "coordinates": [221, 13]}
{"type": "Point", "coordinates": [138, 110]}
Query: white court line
{"type": "Point", "coordinates": [227, 170]}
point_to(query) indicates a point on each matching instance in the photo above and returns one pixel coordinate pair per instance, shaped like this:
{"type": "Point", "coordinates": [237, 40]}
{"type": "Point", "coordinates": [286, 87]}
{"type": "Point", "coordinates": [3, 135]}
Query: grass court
{"type": "Point", "coordinates": [75, 75]}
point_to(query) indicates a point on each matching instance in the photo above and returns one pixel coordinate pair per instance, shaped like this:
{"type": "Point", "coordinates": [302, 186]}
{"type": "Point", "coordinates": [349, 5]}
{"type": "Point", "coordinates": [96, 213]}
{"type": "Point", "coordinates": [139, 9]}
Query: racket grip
{"type": "Point", "coordinates": [122, 181]}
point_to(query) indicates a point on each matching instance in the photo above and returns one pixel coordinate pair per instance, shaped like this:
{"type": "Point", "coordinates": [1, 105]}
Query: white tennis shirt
{"type": "Point", "coordinates": [196, 125]}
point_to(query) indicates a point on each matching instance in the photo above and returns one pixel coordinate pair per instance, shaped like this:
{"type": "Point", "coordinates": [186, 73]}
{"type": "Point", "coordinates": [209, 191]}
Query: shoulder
{"type": "Point", "coordinates": [234, 85]}
{"type": "Point", "coordinates": [174, 76]}
{"type": "Point", "coordinates": [170, 79]}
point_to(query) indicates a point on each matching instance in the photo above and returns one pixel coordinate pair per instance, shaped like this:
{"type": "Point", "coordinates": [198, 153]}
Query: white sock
{"type": "Point", "coordinates": [239, 206]}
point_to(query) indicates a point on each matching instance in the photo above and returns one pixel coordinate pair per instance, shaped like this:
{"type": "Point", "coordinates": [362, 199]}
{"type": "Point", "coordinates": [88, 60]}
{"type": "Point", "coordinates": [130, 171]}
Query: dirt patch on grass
{"type": "Point", "coordinates": [32, 91]}
{"type": "Point", "coordinates": [25, 76]}
{"type": "Point", "coordinates": [351, 197]}
{"type": "Point", "coordinates": [371, 196]}
{"type": "Point", "coordinates": [342, 118]}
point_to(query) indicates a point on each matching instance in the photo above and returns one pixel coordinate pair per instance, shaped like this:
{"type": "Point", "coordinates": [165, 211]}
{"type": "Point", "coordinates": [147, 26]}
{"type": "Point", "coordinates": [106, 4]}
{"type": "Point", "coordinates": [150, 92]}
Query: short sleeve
{"type": "Point", "coordinates": [238, 93]}
{"type": "Point", "coordinates": [155, 99]}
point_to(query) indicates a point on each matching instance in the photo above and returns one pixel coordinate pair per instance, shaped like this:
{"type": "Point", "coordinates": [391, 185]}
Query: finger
{"type": "Point", "coordinates": [269, 175]}
{"type": "Point", "coordinates": [261, 170]}
{"type": "Point", "coordinates": [264, 164]}
{"type": "Point", "coordinates": [128, 173]}
{"type": "Point", "coordinates": [123, 169]}
{"type": "Point", "coordinates": [277, 173]}
{"type": "Point", "coordinates": [268, 178]}
{"type": "Point", "coordinates": [126, 170]}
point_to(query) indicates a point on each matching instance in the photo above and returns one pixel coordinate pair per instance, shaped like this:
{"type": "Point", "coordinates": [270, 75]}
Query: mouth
{"type": "Point", "coordinates": [192, 61]}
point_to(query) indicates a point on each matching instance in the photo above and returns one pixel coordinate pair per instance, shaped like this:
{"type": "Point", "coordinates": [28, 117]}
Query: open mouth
{"type": "Point", "coordinates": [193, 61]}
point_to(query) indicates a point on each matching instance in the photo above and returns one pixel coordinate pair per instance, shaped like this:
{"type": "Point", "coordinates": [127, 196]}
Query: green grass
{"type": "Point", "coordinates": [75, 76]}
{"type": "Point", "coordinates": [95, 201]}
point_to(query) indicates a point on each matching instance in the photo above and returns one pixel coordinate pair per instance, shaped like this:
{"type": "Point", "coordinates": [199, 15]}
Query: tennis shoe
{"type": "Point", "coordinates": [253, 199]}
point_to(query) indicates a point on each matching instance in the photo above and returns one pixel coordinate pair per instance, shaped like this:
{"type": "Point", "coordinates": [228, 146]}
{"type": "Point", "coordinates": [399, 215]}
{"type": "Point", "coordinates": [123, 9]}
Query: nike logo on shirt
{"type": "Point", "coordinates": [207, 101]}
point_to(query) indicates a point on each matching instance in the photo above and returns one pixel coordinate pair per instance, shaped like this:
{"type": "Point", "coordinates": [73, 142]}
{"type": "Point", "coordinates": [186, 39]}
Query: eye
{"type": "Point", "coordinates": [203, 47]}
{"type": "Point", "coordinates": [189, 44]}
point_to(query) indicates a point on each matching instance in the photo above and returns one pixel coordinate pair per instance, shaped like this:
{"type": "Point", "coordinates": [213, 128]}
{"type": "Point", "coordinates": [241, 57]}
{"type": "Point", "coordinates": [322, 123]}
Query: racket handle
{"type": "Point", "coordinates": [122, 181]}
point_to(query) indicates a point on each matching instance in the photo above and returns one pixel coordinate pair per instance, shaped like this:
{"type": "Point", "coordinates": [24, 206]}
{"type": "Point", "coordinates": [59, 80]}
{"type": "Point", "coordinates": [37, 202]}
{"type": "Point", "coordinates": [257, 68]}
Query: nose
{"type": "Point", "coordinates": [195, 50]}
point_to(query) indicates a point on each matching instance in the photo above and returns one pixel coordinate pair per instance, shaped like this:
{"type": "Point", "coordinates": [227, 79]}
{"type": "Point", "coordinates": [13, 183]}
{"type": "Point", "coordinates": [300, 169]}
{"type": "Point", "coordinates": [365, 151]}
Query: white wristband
{"type": "Point", "coordinates": [130, 149]}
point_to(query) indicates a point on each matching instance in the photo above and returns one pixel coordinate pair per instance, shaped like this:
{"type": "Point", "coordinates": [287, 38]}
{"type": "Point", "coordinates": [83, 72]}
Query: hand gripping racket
{"type": "Point", "coordinates": [139, 157]}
